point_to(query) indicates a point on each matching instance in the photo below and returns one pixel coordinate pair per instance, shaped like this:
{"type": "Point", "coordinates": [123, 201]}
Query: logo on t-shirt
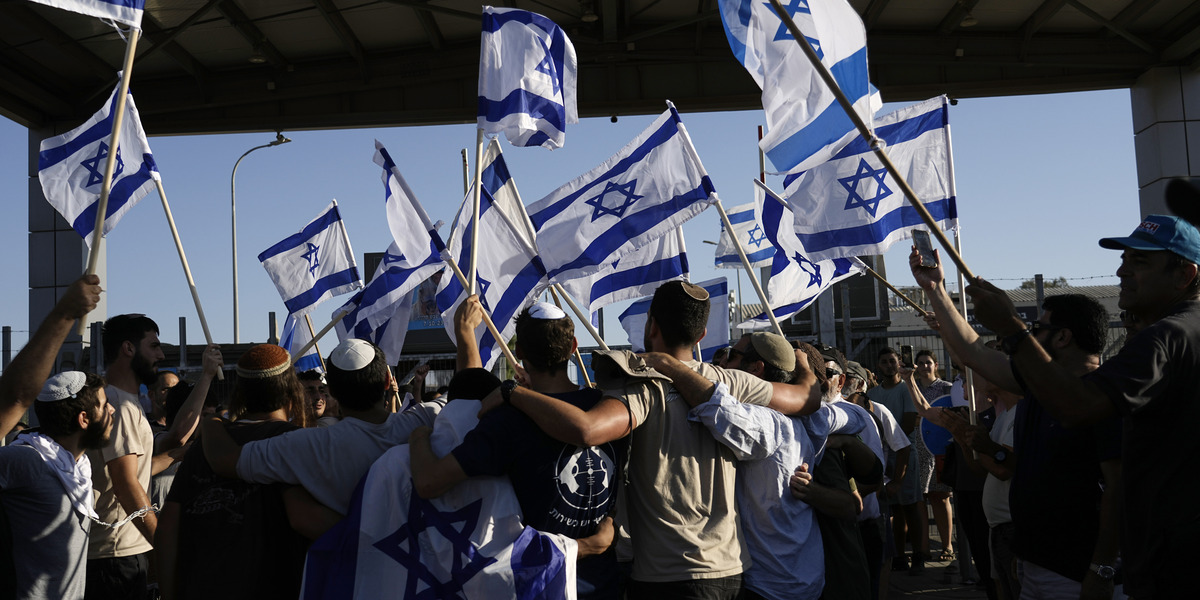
{"type": "Point", "coordinates": [585, 476]}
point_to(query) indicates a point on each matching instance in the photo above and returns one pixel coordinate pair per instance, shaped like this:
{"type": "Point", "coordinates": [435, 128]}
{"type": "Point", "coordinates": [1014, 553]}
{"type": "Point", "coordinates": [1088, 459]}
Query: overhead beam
{"type": "Point", "coordinates": [955, 15]}
{"type": "Point", "coordinates": [1113, 27]}
{"type": "Point", "coordinates": [1132, 11]}
{"type": "Point", "coordinates": [432, 32]}
{"type": "Point", "coordinates": [874, 9]}
{"type": "Point", "coordinates": [166, 37]}
{"type": "Point", "coordinates": [1040, 17]}
{"type": "Point", "coordinates": [251, 33]}
{"type": "Point", "coordinates": [49, 32]}
{"type": "Point", "coordinates": [335, 20]}
{"type": "Point", "coordinates": [159, 38]}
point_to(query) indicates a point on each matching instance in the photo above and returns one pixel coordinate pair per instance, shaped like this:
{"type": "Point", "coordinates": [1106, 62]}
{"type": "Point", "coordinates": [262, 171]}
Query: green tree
{"type": "Point", "coordinates": [1031, 284]}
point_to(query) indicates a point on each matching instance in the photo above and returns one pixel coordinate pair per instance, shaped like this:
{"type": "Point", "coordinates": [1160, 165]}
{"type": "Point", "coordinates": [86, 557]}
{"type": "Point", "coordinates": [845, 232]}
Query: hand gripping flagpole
{"type": "Point", "coordinates": [187, 271]}
{"type": "Point", "coordinates": [737, 243]}
{"type": "Point", "coordinates": [876, 144]}
{"type": "Point", "coordinates": [487, 318]}
{"type": "Point", "coordinates": [110, 164]}
{"type": "Point", "coordinates": [866, 269]}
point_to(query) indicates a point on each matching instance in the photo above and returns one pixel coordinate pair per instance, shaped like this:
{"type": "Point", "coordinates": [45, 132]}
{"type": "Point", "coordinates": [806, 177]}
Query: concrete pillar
{"type": "Point", "coordinates": [57, 257]}
{"type": "Point", "coordinates": [1166, 126]}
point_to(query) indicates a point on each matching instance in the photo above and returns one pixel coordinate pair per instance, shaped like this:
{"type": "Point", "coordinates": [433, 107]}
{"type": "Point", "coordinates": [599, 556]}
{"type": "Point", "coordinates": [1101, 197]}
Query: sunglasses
{"type": "Point", "coordinates": [1038, 326]}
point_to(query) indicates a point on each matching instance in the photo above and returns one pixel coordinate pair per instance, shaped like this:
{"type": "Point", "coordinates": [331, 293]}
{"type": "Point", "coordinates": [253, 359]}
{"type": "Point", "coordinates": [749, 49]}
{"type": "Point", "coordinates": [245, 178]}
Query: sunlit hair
{"type": "Point", "coordinates": [59, 418]}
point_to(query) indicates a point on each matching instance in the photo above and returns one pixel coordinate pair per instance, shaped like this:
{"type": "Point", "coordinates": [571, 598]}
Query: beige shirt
{"type": "Point", "coordinates": [681, 512]}
{"type": "Point", "coordinates": [131, 434]}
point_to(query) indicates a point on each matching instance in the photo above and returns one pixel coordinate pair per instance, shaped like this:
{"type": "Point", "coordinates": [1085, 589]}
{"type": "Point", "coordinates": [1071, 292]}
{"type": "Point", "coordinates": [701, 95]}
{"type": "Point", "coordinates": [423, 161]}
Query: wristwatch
{"type": "Point", "coordinates": [1104, 571]}
{"type": "Point", "coordinates": [1009, 344]}
{"type": "Point", "coordinates": [506, 389]}
{"type": "Point", "coordinates": [1000, 455]}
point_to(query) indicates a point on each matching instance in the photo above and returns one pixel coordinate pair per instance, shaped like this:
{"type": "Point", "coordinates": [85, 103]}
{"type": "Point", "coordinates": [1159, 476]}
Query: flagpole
{"type": "Point", "coordinates": [969, 379]}
{"type": "Point", "coordinates": [111, 162]}
{"type": "Point", "coordinates": [308, 319]}
{"type": "Point", "coordinates": [874, 142]}
{"type": "Point", "coordinates": [470, 284]}
{"type": "Point", "coordinates": [487, 318]}
{"type": "Point", "coordinates": [728, 226]}
{"type": "Point", "coordinates": [578, 356]}
{"type": "Point", "coordinates": [320, 334]}
{"type": "Point", "coordinates": [466, 169]}
{"type": "Point", "coordinates": [583, 318]}
{"type": "Point", "coordinates": [187, 271]}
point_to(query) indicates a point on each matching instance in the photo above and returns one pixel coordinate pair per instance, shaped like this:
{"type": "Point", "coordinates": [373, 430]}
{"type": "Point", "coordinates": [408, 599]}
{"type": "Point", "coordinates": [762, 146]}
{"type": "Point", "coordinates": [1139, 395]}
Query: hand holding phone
{"type": "Point", "coordinates": [924, 248]}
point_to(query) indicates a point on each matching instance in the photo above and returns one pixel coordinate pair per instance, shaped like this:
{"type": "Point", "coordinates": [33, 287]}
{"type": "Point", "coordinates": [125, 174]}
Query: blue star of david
{"type": "Point", "coordinates": [95, 173]}
{"type": "Point", "coordinates": [404, 547]}
{"type": "Point", "coordinates": [483, 286]}
{"type": "Point", "coordinates": [812, 269]}
{"type": "Point", "coordinates": [791, 8]}
{"type": "Point", "coordinates": [865, 173]}
{"type": "Point", "coordinates": [389, 258]}
{"type": "Point", "coordinates": [757, 236]}
{"type": "Point", "coordinates": [616, 211]}
{"type": "Point", "coordinates": [547, 67]}
{"type": "Point", "coordinates": [313, 259]}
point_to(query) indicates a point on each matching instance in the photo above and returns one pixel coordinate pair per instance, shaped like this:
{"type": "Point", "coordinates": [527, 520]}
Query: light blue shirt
{"type": "Point", "coordinates": [780, 532]}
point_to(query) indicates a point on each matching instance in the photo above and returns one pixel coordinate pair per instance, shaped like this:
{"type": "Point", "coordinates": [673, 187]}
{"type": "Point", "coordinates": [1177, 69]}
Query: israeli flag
{"type": "Point", "coordinates": [387, 323]}
{"type": "Point", "coordinates": [749, 233]}
{"type": "Point", "coordinates": [649, 188]}
{"type": "Point", "coordinates": [636, 274]}
{"type": "Point", "coordinates": [71, 168]}
{"type": "Point", "coordinates": [468, 543]}
{"type": "Point", "coordinates": [503, 188]}
{"type": "Point", "coordinates": [796, 280]}
{"type": "Point", "coordinates": [314, 264]}
{"type": "Point", "coordinates": [128, 12]}
{"type": "Point", "coordinates": [804, 120]}
{"type": "Point", "coordinates": [509, 273]}
{"type": "Point", "coordinates": [851, 206]}
{"type": "Point", "coordinates": [295, 336]}
{"type": "Point", "coordinates": [633, 320]}
{"type": "Point", "coordinates": [527, 73]}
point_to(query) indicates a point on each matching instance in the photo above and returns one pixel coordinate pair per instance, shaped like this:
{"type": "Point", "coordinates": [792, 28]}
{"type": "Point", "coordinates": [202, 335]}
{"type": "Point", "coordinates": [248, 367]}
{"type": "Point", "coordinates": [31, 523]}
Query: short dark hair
{"type": "Point", "coordinates": [176, 396]}
{"type": "Point", "coordinates": [926, 352]}
{"type": "Point", "coordinates": [1084, 317]}
{"type": "Point", "coordinates": [545, 343]}
{"type": "Point", "coordinates": [125, 328]}
{"type": "Point", "coordinates": [771, 372]}
{"type": "Point", "coordinates": [59, 418]}
{"type": "Point", "coordinates": [885, 351]}
{"type": "Point", "coordinates": [472, 384]}
{"type": "Point", "coordinates": [267, 394]}
{"type": "Point", "coordinates": [679, 315]}
{"type": "Point", "coordinates": [310, 375]}
{"type": "Point", "coordinates": [359, 389]}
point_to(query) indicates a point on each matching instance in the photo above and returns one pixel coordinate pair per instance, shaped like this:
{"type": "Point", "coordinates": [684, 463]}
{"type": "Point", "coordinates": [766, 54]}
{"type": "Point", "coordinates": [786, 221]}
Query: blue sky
{"type": "Point", "coordinates": [1039, 180]}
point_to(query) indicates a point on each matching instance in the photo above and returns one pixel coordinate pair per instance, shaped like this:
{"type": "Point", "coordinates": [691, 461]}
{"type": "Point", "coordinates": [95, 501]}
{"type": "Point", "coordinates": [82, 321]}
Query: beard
{"type": "Point", "coordinates": [145, 371]}
{"type": "Point", "coordinates": [96, 435]}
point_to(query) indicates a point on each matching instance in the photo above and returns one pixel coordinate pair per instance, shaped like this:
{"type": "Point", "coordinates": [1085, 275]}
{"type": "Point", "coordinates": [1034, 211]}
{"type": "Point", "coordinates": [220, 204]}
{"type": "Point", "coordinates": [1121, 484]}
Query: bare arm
{"type": "Point", "coordinates": [1071, 400]}
{"type": "Point", "coordinates": [220, 450]}
{"type": "Point", "coordinates": [25, 375]}
{"type": "Point", "coordinates": [160, 462]}
{"type": "Point", "coordinates": [189, 413]}
{"type": "Point", "coordinates": [831, 501]}
{"type": "Point", "coordinates": [467, 317]}
{"type": "Point", "coordinates": [608, 420]}
{"type": "Point", "coordinates": [432, 476]}
{"type": "Point", "coordinates": [694, 388]}
{"type": "Point", "coordinates": [130, 494]}
{"type": "Point", "coordinates": [937, 416]}
{"type": "Point", "coordinates": [1108, 538]}
{"type": "Point", "coordinates": [975, 437]}
{"type": "Point", "coordinates": [166, 545]}
{"type": "Point", "coordinates": [599, 542]}
{"type": "Point", "coordinates": [306, 515]}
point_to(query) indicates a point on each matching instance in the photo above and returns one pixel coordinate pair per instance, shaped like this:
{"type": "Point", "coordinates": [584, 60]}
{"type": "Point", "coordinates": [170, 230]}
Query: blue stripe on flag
{"type": "Point", "coordinates": [659, 270]}
{"type": "Point", "coordinates": [521, 101]}
{"type": "Point", "coordinates": [322, 223]}
{"type": "Point", "coordinates": [741, 217]}
{"type": "Point", "coordinates": [607, 243]}
{"type": "Point", "coordinates": [512, 299]}
{"type": "Point", "coordinates": [328, 282]}
{"type": "Point", "coordinates": [874, 233]}
{"type": "Point", "coordinates": [832, 123]}
{"type": "Point", "coordinates": [100, 130]}
{"type": "Point", "coordinates": [897, 133]}
{"type": "Point", "coordinates": [118, 197]}
{"type": "Point", "coordinates": [732, 259]}
{"type": "Point", "coordinates": [661, 136]}
{"type": "Point", "coordinates": [539, 567]}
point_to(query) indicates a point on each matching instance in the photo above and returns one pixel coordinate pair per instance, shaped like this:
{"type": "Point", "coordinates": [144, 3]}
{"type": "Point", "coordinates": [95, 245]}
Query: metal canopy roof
{"type": "Point", "coordinates": [239, 65]}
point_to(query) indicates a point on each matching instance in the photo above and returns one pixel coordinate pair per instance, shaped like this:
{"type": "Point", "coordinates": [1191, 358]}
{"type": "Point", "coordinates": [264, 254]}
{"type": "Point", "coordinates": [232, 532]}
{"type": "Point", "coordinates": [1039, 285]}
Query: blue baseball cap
{"type": "Point", "coordinates": [1161, 232]}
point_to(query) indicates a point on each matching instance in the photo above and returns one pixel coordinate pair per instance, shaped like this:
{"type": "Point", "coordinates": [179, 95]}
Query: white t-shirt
{"type": "Point", "coordinates": [329, 461]}
{"type": "Point", "coordinates": [995, 491]}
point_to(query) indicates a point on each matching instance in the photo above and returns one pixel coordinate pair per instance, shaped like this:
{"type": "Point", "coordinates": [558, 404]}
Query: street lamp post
{"type": "Point", "coordinates": [279, 139]}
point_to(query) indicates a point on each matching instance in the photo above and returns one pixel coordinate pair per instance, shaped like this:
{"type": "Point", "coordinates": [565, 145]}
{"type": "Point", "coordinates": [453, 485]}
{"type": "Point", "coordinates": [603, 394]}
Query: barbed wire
{"type": "Point", "coordinates": [1050, 278]}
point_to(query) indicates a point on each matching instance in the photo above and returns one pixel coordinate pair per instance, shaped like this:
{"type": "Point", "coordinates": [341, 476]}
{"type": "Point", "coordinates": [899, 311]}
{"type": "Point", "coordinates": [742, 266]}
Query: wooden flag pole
{"type": "Point", "coordinates": [187, 271]}
{"type": "Point", "coordinates": [320, 334]}
{"type": "Point", "coordinates": [729, 227]}
{"type": "Point", "coordinates": [578, 357]}
{"type": "Point", "coordinates": [874, 142]}
{"type": "Point", "coordinates": [471, 270]}
{"type": "Point", "coordinates": [308, 320]}
{"type": "Point", "coordinates": [110, 164]}
{"type": "Point", "coordinates": [487, 318]}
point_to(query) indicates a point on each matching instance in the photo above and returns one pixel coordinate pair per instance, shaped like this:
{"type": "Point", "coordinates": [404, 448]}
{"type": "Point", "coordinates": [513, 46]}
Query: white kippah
{"type": "Point", "coordinates": [352, 355]}
{"type": "Point", "coordinates": [547, 311]}
{"type": "Point", "coordinates": [62, 386]}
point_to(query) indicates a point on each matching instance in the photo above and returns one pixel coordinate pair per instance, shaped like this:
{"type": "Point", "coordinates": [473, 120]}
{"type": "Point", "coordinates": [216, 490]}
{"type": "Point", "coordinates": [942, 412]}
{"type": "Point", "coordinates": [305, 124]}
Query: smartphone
{"type": "Point", "coordinates": [924, 248]}
{"type": "Point", "coordinates": [906, 355]}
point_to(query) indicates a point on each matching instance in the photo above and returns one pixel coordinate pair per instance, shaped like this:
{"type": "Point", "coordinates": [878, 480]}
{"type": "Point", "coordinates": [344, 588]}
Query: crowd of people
{"type": "Point", "coordinates": [784, 471]}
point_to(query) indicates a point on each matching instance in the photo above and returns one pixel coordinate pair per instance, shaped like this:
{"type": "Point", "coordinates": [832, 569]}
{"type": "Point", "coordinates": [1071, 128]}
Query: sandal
{"type": "Point", "coordinates": [947, 556]}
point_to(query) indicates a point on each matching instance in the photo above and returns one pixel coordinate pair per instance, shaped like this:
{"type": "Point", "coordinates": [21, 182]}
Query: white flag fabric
{"type": "Point", "coordinates": [128, 12]}
{"type": "Point", "coordinates": [71, 168]}
{"type": "Point", "coordinates": [527, 73]}
{"type": "Point", "coordinates": [633, 320]}
{"type": "Point", "coordinates": [314, 264]}
{"type": "Point", "coordinates": [295, 336]}
{"type": "Point", "coordinates": [796, 280]}
{"type": "Point", "coordinates": [635, 275]}
{"type": "Point", "coordinates": [503, 189]}
{"type": "Point", "coordinates": [386, 329]}
{"type": "Point", "coordinates": [653, 185]}
{"type": "Point", "coordinates": [851, 206]}
{"type": "Point", "coordinates": [747, 231]}
{"type": "Point", "coordinates": [510, 275]}
{"type": "Point", "coordinates": [804, 120]}
{"type": "Point", "coordinates": [468, 543]}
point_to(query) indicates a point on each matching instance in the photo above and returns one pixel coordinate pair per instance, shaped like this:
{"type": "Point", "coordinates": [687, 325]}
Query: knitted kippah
{"type": "Point", "coordinates": [62, 386]}
{"type": "Point", "coordinates": [262, 361]}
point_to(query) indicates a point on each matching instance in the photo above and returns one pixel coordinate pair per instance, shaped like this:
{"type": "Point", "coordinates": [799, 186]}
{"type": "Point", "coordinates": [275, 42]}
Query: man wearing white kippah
{"type": "Point", "coordinates": [328, 461]}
